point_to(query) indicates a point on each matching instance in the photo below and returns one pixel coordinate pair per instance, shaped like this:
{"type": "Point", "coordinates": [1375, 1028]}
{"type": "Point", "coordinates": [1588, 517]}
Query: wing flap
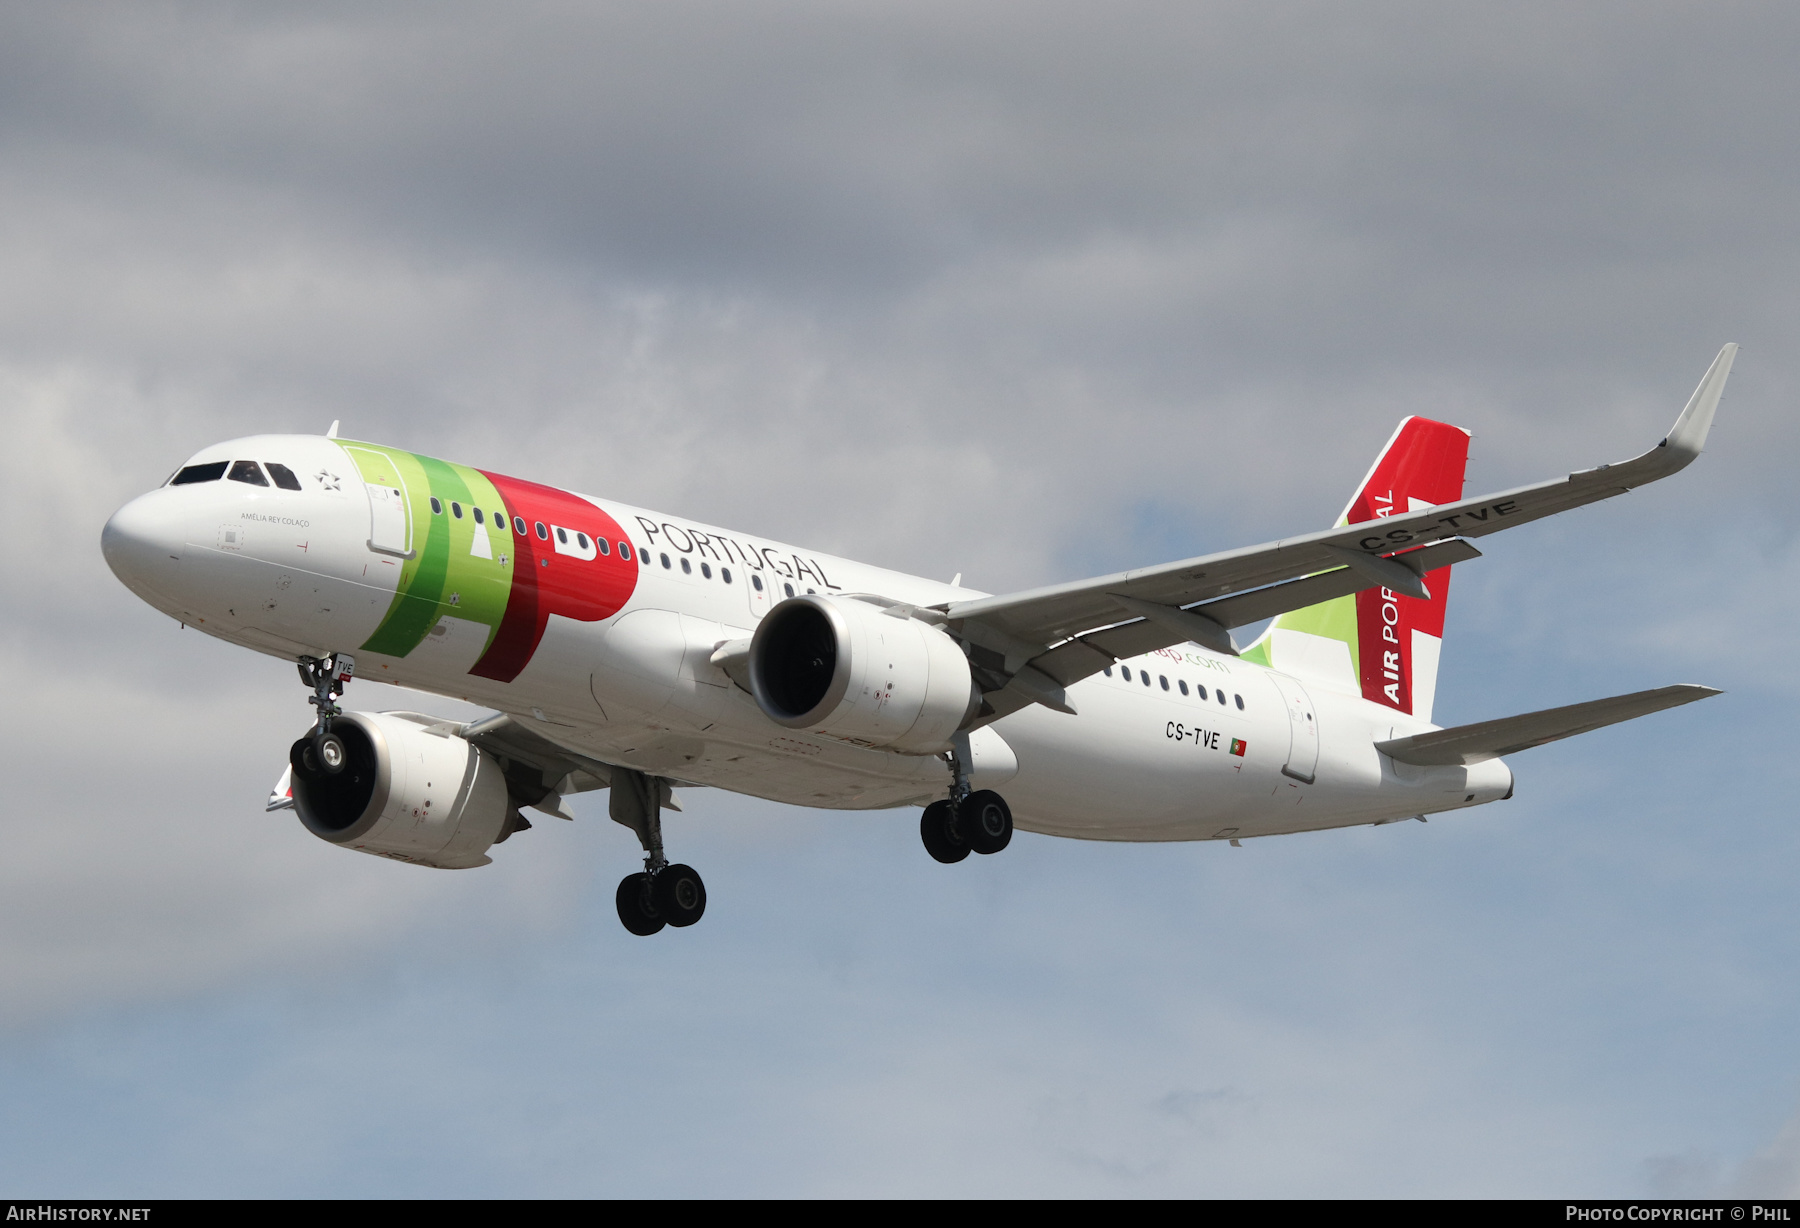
{"type": "Point", "coordinates": [1253, 607]}
{"type": "Point", "coordinates": [1468, 744]}
{"type": "Point", "coordinates": [1088, 654]}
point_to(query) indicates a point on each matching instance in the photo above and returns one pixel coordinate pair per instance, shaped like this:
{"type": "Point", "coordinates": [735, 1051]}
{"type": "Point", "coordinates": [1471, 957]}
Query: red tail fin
{"type": "Point", "coordinates": [1398, 637]}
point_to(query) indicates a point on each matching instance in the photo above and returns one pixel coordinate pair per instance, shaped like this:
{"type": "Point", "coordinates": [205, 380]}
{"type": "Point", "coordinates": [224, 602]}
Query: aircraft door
{"type": "Point", "coordinates": [387, 520]}
{"type": "Point", "coordinates": [1303, 727]}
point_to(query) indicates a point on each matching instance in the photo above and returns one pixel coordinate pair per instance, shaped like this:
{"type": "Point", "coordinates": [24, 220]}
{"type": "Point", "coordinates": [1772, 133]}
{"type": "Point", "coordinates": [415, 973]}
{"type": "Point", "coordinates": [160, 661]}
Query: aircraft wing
{"type": "Point", "coordinates": [1466, 744]}
{"type": "Point", "coordinates": [1010, 635]}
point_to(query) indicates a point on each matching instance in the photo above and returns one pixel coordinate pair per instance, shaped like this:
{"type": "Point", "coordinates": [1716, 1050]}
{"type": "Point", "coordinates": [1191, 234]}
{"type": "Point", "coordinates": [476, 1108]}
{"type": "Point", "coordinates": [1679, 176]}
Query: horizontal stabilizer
{"type": "Point", "coordinates": [1484, 740]}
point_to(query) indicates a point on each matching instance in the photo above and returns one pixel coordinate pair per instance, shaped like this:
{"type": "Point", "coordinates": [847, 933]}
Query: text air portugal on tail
{"type": "Point", "coordinates": [1382, 643]}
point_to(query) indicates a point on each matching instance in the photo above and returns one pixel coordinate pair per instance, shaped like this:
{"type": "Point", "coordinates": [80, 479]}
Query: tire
{"type": "Point", "coordinates": [679, 895]}
{"type": "Point", "coordinates": [987, 821]}
{"type": "Point", "coordinates": [635, 910]}
{"type": "Point", "coordinates": [303, 760]}
{"type": "Point", "coordinates": [942, 836]}
{"type": "Point", "coordinates": [332, 754]}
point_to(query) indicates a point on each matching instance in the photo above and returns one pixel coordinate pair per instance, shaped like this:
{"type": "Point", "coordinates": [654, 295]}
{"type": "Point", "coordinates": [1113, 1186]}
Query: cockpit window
{"type": "Point", "coordinates": [247, 471]}
{"type": "Point", "coordinates": [284, 477]}
{"type": "Point", "coordinates": [212, 471]}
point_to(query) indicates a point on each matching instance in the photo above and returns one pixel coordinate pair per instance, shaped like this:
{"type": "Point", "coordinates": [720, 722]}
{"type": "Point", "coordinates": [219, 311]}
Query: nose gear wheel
{"type": "Point", "coordinates": [322, 752]}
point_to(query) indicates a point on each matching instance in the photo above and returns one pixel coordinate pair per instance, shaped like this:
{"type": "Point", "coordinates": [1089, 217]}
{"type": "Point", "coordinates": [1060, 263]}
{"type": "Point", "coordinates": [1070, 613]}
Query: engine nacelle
{"type": "Point", "coordinates": [406, 793]}
{"type": "Point", "coordinates": [843, 668]}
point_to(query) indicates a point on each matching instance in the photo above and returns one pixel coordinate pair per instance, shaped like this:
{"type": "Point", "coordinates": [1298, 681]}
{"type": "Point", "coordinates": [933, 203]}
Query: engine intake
{"type": "Point", "coordinates": [846, 669]}
{"type": "Point", "coordinates": [406, 793]}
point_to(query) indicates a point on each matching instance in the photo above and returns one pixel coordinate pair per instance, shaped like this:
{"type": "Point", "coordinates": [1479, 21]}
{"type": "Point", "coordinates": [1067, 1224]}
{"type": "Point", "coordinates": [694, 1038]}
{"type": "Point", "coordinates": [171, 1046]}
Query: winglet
{"type": "Point", "coordinates": [332, 433]}
{"type": "Point", "coordinates": [1688, 436]}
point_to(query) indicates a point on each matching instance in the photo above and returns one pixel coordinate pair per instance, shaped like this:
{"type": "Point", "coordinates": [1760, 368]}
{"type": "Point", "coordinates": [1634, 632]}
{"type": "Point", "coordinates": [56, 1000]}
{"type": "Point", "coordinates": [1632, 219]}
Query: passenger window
{"type": "Point", "coordinates": [1125, 672]}
{"type": "Point", "coordinates": [706, 570]}
{"type": "Point", "coordinates": [725, 574]}
{"type": "Point", "coordinates": [1182, 683]}
{"type": "Point", "coordinates": [212, 471]}
{"type": "Point", "coordinates": [1164, 679]}
{"type": "Point", "coordinates": [1200, 690]}
{"type": "Point", "coordinates": [542, 532]}
{"type": "Point", "coordinates": [665, 561]}
{"type": "Point", "coordinates": [789, 588]}
{"type": "Point", "coordinates": [437, 509]}
{"type": "Point", "coordinates": [284, 477]}
{"type": "Point", "coordinates": [499, 519]}
{"type": "Point", "coordinates": [1107, 671]}
{"type": "Point", "coordinates": [581, 540]}
{"type": "Point", "coordinates": [756, 583]}
{"type": "Point", "coordinates": [456, 509]}
{"type": "Point", "coordinates": [687, 568]}
{"type": "Point", "coordinates": [604, 547]}
{"type": "Point", "coordinates": [1221, 696]}
{"type": "Point", "coordinates": [476, 512]}
{"type": "Point", "coordinates": [625, 551]}
{"type": "Point", "coordinates": [247, 472]}
{"type": "Point", "coordinates": [1145, 675]}
{"type": "Point", "coordinates": [1240, 704]}
{"type": "Point", "coordinates": [562, 535]}
{"type": "Point", "coordinates": [643, 558]}
{"type": "Point", "coordinates": [519, 525]}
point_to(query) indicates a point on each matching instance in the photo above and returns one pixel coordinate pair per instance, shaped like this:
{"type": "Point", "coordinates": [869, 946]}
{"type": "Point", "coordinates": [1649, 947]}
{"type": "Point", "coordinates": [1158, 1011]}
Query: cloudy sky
{"type": "Point", "coordinates": [1027, 292]}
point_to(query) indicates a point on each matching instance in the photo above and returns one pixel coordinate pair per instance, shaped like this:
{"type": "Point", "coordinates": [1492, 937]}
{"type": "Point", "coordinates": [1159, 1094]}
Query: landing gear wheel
{"type": "Point", "coordinates": [636, 912]}
{"type": "Point", "coordinates": [328, 749]}
{"type": "Point", "coordinates": [986, 819]}
{"type": "Point", "coordinates": [678, 895]}
{"type": "Point", "coordinates": [304, 760]}
{"type": "Point", "coordinates": [941, 833]}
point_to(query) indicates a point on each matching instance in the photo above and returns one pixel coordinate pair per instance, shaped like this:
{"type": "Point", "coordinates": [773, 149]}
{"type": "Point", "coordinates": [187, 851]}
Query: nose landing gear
{"type": "Point", "coordinates": [661, 894]}
{"type": "Point", "coordinates": [322, 752]}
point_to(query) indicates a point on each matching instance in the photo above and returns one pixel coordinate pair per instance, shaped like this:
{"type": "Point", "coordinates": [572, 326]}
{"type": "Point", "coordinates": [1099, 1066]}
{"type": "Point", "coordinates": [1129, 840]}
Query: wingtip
{"type": "Point", "coordinates": [1688, 436]}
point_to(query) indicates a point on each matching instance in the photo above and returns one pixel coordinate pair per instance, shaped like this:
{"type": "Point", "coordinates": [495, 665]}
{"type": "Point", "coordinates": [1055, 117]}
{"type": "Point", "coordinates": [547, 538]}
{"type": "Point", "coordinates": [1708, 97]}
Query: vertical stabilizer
{"type": "Point", "coordinates": [1380, 644]}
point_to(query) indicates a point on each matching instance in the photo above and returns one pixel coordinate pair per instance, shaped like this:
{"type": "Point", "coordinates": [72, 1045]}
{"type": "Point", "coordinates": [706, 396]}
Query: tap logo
{"type": "Point", "coordinates": [496, 551]}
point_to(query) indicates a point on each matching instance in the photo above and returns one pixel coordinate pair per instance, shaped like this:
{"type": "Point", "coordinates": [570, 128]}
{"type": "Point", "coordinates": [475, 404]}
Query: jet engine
{"type": "Point", "coordinates": [848, 669]}
{"type": "Point", "coordinates": [406, 792]}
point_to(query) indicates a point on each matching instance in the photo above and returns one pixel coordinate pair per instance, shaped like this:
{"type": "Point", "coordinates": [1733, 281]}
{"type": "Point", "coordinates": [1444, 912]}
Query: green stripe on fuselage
{"type": "Point", "coordinates": [448, 574]}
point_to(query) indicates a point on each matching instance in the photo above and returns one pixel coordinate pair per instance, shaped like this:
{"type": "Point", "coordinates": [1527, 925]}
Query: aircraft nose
{"type": "Point", "coordinates": [142, 542]}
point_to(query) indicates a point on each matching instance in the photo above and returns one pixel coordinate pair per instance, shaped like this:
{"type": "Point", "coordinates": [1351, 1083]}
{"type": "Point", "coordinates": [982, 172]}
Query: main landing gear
{"type": "Point", "coordinates": [977, 821]}
{"type": "Point", "coordinates": [980, 823]}
{"type": "Point", "coordinates": [661, 894]}
{"type": "Point", "coordinates": [322, 752]}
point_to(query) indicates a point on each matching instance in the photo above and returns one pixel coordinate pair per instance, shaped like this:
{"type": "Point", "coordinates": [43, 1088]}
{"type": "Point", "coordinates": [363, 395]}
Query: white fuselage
{"type": "Point", "coordinates": [293, 573]}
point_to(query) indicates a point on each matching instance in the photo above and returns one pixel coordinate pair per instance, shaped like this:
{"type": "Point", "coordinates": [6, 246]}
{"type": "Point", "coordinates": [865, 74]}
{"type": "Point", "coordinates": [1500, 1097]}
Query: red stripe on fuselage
{"type": "Point", "coordinates": [545, 582]}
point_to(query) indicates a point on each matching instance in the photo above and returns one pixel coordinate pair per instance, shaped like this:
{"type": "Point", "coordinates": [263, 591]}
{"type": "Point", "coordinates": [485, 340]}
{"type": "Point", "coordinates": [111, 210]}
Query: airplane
{"type": "Point", "coordinates": [628, 650]}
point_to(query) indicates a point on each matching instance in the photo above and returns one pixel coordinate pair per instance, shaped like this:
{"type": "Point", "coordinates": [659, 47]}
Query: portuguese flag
{"type": "Point", "coordinates": [1239, 746]}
